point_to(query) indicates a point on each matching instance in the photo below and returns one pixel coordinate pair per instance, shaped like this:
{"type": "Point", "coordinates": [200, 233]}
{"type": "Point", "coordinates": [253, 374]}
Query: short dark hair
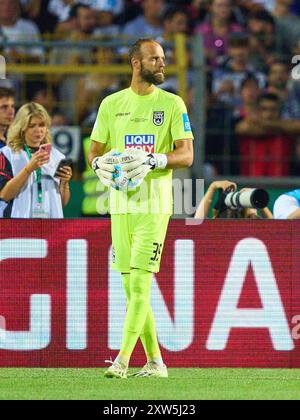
{"type": "Point", "coordinates": [249, 78]}
{"type": "Point", "coordinates": [281, 62]}
{"type": "Point", "coordinates": [34, 88]}
{"type": "Point", "coordinates": [269, 97]}
{"type": "Point", "coordinates": [7, 92]}
{"type": "Point", "coordinates": [135, 50]}
{"type": "Point", "coordinates": [263, 16]}
{"type": "Point", "coordinates": [173, 11]}
{"type": "Point", "coordinates": [76, 7]}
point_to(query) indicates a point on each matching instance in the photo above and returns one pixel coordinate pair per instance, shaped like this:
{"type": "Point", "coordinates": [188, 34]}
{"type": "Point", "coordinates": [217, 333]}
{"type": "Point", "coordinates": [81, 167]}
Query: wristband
{"type": "Point", "coordinates": [94, 166]}
{"type": "Point", "coordinates": [26, 170]}
{"type": "Point", "coordinates": [158, 161]}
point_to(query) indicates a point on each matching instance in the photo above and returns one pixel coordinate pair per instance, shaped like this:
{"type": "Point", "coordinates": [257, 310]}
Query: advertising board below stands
{"type": "Point", "coordinates": [228, 294]}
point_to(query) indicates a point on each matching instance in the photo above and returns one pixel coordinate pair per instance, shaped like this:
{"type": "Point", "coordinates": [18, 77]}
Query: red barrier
{"type": "Point", "coordinates": [228, 295]}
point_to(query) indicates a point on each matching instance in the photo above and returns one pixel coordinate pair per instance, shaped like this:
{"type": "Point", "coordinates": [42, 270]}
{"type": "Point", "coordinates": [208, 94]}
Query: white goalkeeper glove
{"type": "Point", "coordinates": [104, 167]}
{"type": "Point", "coordinates": [138, 163]}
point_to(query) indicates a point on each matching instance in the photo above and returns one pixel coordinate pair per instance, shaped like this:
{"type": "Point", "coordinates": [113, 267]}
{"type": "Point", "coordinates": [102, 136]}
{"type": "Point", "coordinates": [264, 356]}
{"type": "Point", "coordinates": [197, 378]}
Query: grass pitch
{"type": "Point", "coordinates": [183, 384]}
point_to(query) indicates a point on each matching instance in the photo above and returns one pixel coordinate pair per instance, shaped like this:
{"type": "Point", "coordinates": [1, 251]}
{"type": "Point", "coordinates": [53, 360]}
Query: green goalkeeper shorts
{"type": "Point", "coordinates": [138, 241]}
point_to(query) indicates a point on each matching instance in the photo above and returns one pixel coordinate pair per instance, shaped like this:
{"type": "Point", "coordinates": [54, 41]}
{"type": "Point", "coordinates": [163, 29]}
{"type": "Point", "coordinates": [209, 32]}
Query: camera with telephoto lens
{"type": "Point", "coordinates": [255, 198]}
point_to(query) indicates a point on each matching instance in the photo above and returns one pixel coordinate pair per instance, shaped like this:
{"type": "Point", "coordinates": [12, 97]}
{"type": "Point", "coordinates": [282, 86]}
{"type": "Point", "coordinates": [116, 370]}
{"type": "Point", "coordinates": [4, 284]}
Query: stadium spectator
{"type": "Point", "coordinates": [59, 119]}
{"type": "Point", "coordinates": [80, 25]}
{"type": "Point", "coordinates": [37, 11]}
{"type": "Point", "coordinates": [84, 24]}
{"type": "Point", "coordinates": [250, 92]}
{"type": "Point", "coordinates": [67, 86]}
{"type": "Point", "coordinates": [175, 20]}
{"type": "Point", "coordinates": [287, 23]}
{"type": "Point", "coordinates": [280, 83]}
{"type": "Point", "coordinates": [227, 79]}
{"type": "Point", "coordinates": [197, 10]}
{"type": "Point", "coordinates": [31, 7]}
{"type": "Point", "coordinates": [219, 209]}
{"type": "Point", "coordinates": [216, 30]}
{"type": "Point", "coordinates": [149, 23]}
{"type": "Point", "coordinates": [266, 140]}
{"type": "Point", "coordinates": [132, 10]}
{"type": "Point", "coordinates": [265, 4]}
{"type": "Point", "coordinates": [41, 94]}
{"type": "Point", "coordinates": [15, 28]}
{"type": "Point", "coordinates": [266, 41]}
{"type": "Point", "coordinates": [287, 206]}
{"type": "Point", "coordinates": [7, 113]}
{"type": "Point", "coordinates": [294, 112]}
{"type": "Point", "coordinates": [271, 4]}
{"type": "Point", "coordinates": [294, 90]}
{"type": "Point", "coordinates": [116, 7]}
{"type": "Point", "coordinates": [222, 153]}
{"type": "Point", "coordinates": [278, 78]}
{"type": "Point", "coordinates": [222, 150]}
{"type": "Point", "coordinates": [29, 183]}
{"type": "Point", "coordinates": [295, 169]}
{"type": "Point", "coordinates": [90, 86]}
{"type": "Point", "coordinates": [85, 21]}
{"type": "Point", "coordinates": [105, 24]}
{"type": "Point", "coordinates": [249, 6]}
{"type": "Point", "coordinates": [62, 8]}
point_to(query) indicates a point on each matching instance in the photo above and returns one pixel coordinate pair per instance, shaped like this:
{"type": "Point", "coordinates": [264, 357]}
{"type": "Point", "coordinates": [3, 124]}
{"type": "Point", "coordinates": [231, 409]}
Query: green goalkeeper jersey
{"type": "Point", "coordinates": [152, 123]}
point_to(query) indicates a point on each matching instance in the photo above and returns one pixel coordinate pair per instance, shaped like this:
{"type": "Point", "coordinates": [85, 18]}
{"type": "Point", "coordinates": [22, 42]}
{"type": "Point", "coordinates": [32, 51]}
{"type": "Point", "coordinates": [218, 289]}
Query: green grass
{"type": "Point", "coordinates": [184, 384]}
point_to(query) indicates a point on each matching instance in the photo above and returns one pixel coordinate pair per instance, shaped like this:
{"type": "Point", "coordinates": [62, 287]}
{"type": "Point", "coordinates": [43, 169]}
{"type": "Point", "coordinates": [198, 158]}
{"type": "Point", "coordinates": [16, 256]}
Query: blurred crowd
{"type": "Point", "coordinates": [252, 101]}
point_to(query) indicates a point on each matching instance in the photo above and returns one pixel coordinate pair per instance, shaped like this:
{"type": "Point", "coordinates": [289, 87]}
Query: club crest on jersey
{"type": "Point", "coordinates": [158, 118]}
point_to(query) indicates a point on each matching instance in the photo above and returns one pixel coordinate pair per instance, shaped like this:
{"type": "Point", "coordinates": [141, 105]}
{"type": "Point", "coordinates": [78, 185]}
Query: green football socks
{"type": "Point", "coordinates": [139, 320]}
{"type": "Point", "coordinates": [149, 338]}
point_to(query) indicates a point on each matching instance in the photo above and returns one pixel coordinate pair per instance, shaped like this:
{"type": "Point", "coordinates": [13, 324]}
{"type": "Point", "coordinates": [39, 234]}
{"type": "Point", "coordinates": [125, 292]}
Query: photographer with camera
{"type": "Point", "coordinates": [244, 204]}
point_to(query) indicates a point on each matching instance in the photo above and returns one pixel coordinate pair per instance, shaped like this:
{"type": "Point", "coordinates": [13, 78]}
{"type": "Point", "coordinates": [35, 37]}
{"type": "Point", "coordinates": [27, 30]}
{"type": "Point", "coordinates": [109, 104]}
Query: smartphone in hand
{"type": "Point", "coordinates": [45, 148]}
{"type": "Point", "coordinates": [62, 163]}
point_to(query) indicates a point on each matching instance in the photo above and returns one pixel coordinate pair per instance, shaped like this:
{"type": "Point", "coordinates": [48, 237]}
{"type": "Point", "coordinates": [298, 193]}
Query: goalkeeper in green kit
{"type": "Point", "coordinates": [150, 130]}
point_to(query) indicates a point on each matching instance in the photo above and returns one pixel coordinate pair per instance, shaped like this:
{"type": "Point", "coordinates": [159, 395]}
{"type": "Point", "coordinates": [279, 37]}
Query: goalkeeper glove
{"type": "Point", "coordinates": [104, 167]}
{"type": "Point", "coordinates": [138, 163]}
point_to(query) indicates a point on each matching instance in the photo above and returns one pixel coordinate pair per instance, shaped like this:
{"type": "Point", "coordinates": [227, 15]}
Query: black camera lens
{"type": "Point", "coordinates": [260, 199]}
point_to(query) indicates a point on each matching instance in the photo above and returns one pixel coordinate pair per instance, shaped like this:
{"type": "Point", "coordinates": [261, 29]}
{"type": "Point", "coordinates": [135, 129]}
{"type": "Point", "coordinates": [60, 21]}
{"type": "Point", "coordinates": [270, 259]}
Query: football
{"type": "Point", "coordinates": [121, 180]}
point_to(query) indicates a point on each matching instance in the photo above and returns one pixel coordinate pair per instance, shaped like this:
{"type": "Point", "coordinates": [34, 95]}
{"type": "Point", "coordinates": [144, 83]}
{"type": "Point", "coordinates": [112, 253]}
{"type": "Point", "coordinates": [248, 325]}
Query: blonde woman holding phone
{"type": "Point", "coordinates": [30, 186]}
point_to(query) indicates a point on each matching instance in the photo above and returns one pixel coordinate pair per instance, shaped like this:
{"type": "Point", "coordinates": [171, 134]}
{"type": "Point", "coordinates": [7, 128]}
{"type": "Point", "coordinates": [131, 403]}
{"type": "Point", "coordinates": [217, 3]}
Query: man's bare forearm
{"type": "Point", "coordinates": [182, 156]}
{"type": "Point", "coordinates": [288, 127]}
{"type": "Point", "coordinates": [246, 128]}
{"type": "Point", "coordinates": [97, 149]}
{"type": "Point", "coordinates": [179, 161]}
{"type": "Point", "coordinates": [91, 157]}
{"type": "Point", "coordinates": [266, 213]}
{"type": "Point", "coordinates": [204, 206]}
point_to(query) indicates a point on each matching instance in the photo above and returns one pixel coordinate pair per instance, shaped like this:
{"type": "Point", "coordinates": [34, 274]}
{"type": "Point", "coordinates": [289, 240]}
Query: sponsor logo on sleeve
{"type": "Point", "coordinates": [144, 142]}
{"type": "Point", "coordinates": [158, 118]}
{"type": "Point", "coordinates": [186, 123]}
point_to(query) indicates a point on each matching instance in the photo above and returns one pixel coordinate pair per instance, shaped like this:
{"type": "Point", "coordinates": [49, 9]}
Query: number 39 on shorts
{"type": "Point", "coordinates": [156, 252]}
